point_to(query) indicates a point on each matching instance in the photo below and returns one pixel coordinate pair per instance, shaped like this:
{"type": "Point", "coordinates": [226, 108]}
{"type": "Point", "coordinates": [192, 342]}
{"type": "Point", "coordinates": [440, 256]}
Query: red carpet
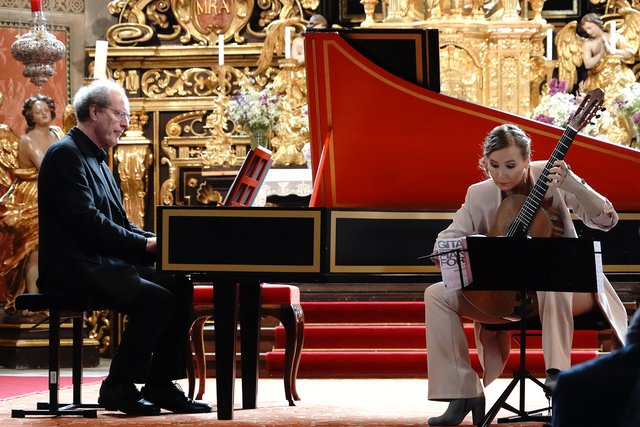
{"type": "Point", "coordinates": [19, 385]}
{"type": "Point", "coordinates": [326, 403]}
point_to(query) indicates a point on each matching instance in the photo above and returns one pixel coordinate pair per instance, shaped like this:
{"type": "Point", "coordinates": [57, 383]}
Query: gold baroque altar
{"type": "Point", "coordinates": [499, 64]}
{"type": "Point", "coordinates": [177, 89]}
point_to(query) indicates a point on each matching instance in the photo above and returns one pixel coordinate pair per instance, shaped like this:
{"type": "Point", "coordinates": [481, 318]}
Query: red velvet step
{"type": "Point", "coordinates": [413, 364]}
{"type": "Point", "coordinates": [363, 312]}
{"type": "Point", "coordinates": [387, 339]}
{"type": "Point", "coordinates": [401, 337]}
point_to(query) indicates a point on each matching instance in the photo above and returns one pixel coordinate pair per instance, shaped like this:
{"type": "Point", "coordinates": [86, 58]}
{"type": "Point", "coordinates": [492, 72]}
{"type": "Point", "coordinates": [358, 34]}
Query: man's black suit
{"type": "Point", "coordinates": [602, 392]}
{"type": "Point", "coordinates": [87, 245]}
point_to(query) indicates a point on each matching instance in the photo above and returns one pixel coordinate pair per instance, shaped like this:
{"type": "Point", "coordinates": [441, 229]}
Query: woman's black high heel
{"type": "Point", "coordinates": [551, 381]}
{"type": "Point", "coordinates": [458, 409]}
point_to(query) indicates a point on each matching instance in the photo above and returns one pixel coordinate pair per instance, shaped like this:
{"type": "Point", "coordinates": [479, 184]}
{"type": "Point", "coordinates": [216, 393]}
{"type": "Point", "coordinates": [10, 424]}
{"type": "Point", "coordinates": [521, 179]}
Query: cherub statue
{"type": "Point", "coordinates": [19, 205]}
{"type": "Point", "coordinates": [604, 54]}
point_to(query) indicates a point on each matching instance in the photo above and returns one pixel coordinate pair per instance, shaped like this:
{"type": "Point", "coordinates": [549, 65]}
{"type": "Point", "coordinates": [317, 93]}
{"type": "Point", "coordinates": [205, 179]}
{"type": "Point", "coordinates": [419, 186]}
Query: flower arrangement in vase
{"type": "Point", "coordinates": [627, 103]}
{"type": "Point", "coordinates": [256, 110]}
{"type": "Point", "coordinates": [556, 107]}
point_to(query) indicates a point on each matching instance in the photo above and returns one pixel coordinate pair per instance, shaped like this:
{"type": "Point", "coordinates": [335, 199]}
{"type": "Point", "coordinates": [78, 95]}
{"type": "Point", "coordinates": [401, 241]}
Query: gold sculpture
{"type": "Point", "coordinates": [20, 160]}
{"type": "Point", "coordinates": [605, 54]}
{"type": "Point", "coordinates": [133, 156]}
{"type": "Point", "coordinates": [274, 41]}
{"type": "Point", "coordinates": [293, 125]}
{"type": "Point", "coordinates": [290, 83]}
{"type": "Point", "coordinates": [218, 151]}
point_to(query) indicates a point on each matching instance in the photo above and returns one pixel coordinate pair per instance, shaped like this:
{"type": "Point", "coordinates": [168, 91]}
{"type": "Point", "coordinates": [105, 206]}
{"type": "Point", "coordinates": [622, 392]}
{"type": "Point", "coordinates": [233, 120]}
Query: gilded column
{"type": "Point", "coordinates": [133, 157]}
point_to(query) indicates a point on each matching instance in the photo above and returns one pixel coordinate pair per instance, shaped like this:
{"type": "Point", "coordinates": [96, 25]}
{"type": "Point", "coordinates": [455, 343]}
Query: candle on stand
{"type": "Point", "coordinates": [287, 42]}
{"type": "Point", "coordinates": [549, 44]}
{"type": "Point", "coordinates": [100, 60]}
{"type": "Point", "coordinates": [220, 49]}
{"type": "Point", "coordinates": [36, 5]}
{"type": "Point", "coordinates": [613, 39]}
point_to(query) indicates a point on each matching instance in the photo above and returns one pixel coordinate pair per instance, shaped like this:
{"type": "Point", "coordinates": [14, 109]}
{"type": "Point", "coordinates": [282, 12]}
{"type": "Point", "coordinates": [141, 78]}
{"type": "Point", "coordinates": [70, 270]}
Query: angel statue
{"type": "Point", "coordinates": [19, 205]}
{"type": "Point", "coordinates": [605, 55]}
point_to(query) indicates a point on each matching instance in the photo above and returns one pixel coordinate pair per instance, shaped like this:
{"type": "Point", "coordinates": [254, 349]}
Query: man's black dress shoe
{"type": "Point", "coordinates": [125, 398]}
{"type": "Point", "coordinates": [172, 398]}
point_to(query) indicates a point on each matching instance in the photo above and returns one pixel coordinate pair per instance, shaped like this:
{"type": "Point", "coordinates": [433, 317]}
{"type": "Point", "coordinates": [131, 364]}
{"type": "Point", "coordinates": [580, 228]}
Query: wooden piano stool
{"type": "Point", "coordinates": [61, 306]}
{"type": "Point", "coordinates": [279, 301]}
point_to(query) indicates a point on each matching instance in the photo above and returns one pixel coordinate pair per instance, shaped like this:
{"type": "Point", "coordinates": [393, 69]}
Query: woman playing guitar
{"type": "Point", "coordinates": [507, 162]}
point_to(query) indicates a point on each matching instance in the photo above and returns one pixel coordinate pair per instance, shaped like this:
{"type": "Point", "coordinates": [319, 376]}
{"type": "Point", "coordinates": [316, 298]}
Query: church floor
{"type": "Point", "coordinates": [325, 402]}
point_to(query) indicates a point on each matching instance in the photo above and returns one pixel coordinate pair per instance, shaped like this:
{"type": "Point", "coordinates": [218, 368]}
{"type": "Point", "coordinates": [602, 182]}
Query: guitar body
{"type": "Point", "coordinates": [502, 304]}
{"type": "Point", "coordinates": [508, 210]}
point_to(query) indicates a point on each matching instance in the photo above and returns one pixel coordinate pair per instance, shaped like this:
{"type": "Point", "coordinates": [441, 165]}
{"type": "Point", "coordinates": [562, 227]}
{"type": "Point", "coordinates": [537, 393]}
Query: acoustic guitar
{"type": "Point", "coordinates": [520, 216]}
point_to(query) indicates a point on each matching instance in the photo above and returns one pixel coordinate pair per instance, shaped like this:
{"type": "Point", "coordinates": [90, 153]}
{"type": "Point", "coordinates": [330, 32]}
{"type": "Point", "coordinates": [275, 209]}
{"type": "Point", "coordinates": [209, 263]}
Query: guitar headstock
{"type": "Point", "coordinates": [589, 107]}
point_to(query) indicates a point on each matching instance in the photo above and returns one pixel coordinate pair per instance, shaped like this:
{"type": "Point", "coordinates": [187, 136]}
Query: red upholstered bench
{"type": "Point", "coordinates": [279, 301]}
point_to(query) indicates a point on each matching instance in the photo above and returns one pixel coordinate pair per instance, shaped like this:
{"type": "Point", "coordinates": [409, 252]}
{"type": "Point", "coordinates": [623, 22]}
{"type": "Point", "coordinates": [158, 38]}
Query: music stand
{"type": "Point", "coordinates": [528, 264]}
{"type": "Point", "coordinates": [249, 179]}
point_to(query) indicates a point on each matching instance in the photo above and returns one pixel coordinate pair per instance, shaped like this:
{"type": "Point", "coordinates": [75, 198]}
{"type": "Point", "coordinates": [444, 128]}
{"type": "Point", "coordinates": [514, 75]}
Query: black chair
{"type": "Point", "coordinates": [61, 306]}
{"type": "Point", "coordinates": [591, 321]}
{"type": "Point", "coordinates": [594, 320]}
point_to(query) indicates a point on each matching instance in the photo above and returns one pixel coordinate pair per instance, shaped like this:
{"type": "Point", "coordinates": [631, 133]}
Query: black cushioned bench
{"type": "Point", "coordinates": [61, 306]}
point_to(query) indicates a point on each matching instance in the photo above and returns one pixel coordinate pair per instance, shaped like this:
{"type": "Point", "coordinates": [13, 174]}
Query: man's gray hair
{"type": "Point", "coordinates": [98, 92]}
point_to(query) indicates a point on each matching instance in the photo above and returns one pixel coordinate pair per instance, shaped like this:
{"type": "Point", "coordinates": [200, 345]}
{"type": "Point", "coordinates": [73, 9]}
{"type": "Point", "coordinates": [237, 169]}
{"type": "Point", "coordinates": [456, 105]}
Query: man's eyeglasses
{"type": "Point", "coordinates": [121, 115]}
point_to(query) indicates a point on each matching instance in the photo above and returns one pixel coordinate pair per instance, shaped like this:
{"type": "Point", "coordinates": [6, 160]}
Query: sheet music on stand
{"type": "Point", "coordinates": [452, 263]}
{"type": "Point", "coordinates": [456, 271]}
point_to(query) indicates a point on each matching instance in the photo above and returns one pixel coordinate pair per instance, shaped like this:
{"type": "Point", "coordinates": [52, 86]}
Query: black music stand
{"type": "Point", "coordinates": [528, 264]}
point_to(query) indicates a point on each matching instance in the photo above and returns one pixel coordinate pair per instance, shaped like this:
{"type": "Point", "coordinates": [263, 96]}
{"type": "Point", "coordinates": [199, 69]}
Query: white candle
{"type": "Point", "coordinates": [220, 49]}
{"type": "Point", "coordinates": [549, 44]}
{"type": "Point", "coordinates": [287, 42]}
{"type": "Point", "coordinates": [100, 60]}
{"type": "Point", "coordinates": [613, 40]}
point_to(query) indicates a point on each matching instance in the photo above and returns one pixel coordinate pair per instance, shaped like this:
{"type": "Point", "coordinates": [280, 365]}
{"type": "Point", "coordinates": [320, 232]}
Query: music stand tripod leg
{"type": "Point", "coordinates": [518, 377]}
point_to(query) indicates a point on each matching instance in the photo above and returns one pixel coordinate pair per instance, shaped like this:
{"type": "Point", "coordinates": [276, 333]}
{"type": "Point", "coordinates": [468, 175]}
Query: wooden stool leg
{"type": "Point", "coordinates": [197, 338]}
{"type": "Point", "coordinates": [299, 323]}
{"type": "Point", "coordinates": [288, 318]}
{"type": "Point", "coordinates": [191, 376]}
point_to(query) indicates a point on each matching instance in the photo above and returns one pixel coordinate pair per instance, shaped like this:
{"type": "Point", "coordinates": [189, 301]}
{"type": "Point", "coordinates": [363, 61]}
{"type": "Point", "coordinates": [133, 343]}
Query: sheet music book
{"type": "Point", "coordinates": [452, 263]}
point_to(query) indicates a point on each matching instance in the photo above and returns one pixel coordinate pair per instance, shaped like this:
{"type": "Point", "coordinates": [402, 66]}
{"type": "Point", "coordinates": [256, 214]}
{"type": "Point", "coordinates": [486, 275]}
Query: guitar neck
{"type": "Point", "coordinates": [520, 226]}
